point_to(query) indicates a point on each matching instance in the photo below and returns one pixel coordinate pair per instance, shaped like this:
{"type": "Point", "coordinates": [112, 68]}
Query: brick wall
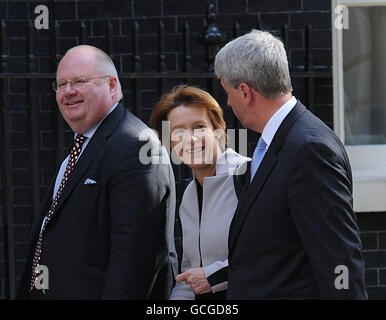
{"type": "Point", "coordinates": [373, 234]}
{"type": "Point", "coordinates": [96, 15]}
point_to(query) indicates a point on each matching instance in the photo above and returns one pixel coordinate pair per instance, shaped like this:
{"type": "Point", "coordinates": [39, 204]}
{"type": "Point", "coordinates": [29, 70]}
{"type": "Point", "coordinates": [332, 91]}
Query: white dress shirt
{"type": "Point", "coordinates": [274, 123]}
{"type": "Point", "coordinates": [269, 132]}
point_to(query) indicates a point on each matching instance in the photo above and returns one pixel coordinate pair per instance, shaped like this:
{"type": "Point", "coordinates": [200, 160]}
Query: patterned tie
{"type": "Point", "coordinates": [258, 156]}
{"type": "Point", "coordinates": [75, 151]}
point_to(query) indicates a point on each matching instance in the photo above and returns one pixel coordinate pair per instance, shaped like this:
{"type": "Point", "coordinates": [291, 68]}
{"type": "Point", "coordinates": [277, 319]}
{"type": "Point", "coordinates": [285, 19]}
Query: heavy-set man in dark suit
{"type": "Point", "coordinates": [294, 234]}
{"type": "Point", "coordinates": [103, 231]}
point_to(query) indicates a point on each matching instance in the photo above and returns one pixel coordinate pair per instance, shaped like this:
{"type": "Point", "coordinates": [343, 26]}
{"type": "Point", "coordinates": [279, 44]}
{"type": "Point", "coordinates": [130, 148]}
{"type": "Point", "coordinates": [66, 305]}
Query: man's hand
{"type": "Point", "coordinates": [196, 279]}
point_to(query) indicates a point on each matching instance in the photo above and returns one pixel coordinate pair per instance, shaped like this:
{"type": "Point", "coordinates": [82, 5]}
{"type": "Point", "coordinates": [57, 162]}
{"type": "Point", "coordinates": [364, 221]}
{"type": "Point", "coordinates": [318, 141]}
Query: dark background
{"type": "Point", "coordinates": [98, 18]}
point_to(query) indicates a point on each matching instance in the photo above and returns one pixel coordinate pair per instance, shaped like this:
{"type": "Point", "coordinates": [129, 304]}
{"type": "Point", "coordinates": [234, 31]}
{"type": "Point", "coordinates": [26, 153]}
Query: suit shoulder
{"type": "Point", "coordinates": [310, 129]}
{"type": "Point", "coordinates": [130, 135]}
{"type": "Point", "coordinates": [132, 125]}
{"type": "Point", "coordinates": [133, 130]}
{"type": "Point", "coordinates": [311, 133]}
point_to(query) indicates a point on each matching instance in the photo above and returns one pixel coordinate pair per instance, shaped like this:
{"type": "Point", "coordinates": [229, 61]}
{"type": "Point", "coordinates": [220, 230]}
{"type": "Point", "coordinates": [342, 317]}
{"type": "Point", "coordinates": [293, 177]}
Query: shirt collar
{"type": "Point", "coordinates": [274, 123]}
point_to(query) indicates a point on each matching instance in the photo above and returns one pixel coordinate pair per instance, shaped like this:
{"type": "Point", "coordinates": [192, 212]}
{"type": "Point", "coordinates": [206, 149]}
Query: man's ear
{"type": "Point", "coordinates": [246, 92]}
{"type": "Point", "coordinates": [113, 82]}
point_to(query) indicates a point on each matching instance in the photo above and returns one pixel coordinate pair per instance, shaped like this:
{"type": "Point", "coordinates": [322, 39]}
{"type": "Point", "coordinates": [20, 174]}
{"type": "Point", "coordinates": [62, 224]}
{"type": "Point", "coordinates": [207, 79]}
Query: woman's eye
{"type": "Point", "coordinates": [200, 126]}
{"type": "Point", "coordinates": [179, 131]}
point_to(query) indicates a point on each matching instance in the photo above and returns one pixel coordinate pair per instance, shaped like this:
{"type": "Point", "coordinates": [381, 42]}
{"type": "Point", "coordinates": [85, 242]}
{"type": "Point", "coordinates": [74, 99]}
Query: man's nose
{"type": "Point", "coordinates": [69, 89]}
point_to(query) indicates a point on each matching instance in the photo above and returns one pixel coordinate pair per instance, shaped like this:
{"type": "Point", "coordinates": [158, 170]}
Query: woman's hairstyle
{"type": "Point", "coordinates": [187, 96]}
{"type": "Point", "coordinates": [257, 59]}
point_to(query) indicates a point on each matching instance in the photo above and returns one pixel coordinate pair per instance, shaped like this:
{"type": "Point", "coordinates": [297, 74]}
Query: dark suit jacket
{"type": "Point", "coordinates": [294, 223]}
{"type": "Point", "coordinates": [108, 240]}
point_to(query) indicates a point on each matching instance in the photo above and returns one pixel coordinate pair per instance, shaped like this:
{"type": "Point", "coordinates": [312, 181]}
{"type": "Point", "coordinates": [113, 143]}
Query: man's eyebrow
{"type": "Point", "coordinates": [74, 78]}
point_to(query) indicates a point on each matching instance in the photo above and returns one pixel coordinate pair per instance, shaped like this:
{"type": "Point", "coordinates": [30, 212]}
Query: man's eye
{"type": "Point", "coordinates": [62, 84]}
{"type": "Point", "coordinates": [79, 82]}
{"type": "Point", "coordinates": [199, 127]}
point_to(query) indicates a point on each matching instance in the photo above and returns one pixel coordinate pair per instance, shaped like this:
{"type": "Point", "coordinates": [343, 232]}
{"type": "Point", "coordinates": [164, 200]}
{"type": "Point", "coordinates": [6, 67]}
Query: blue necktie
{"type": "Point", "coordinates": [258, 155]}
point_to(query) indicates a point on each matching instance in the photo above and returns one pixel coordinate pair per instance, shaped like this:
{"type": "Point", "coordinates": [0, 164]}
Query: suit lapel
{"type": "Point", "coordinates": [250, 193]}
{"type": "Point", "coordinates": [95, 145]}
{"type": "Point", "coordinates": [268, 163]}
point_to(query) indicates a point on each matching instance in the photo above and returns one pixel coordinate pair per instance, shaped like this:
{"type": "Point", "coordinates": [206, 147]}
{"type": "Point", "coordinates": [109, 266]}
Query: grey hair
{"type": "Point", "coordinates": [104, 62]}
{"type": "Point", "coordinates": [257, 59]}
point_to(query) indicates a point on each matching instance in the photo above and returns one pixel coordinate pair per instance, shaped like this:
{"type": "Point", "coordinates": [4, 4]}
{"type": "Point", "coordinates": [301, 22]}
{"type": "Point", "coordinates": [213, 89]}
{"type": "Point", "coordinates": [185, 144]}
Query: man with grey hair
{"type": "Point", "coordinates": [102, 230]}
{"type": "Point", "coordinates": [294, 234]}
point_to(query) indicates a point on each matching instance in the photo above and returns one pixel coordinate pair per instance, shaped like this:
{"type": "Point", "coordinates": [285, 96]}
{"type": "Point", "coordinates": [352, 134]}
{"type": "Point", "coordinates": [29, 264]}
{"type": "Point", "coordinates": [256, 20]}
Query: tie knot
{"type": "Point", "coordinates": [80, 138]}
{"type": "Point", "coordinates": [261, 142]}
{"type": "Point", "coordinates": [78, 142]}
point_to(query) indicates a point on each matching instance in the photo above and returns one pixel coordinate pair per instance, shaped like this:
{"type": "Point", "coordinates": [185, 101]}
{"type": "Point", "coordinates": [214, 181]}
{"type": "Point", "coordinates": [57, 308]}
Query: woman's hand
{"type": "Point", "coordinates": [196, 279]}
